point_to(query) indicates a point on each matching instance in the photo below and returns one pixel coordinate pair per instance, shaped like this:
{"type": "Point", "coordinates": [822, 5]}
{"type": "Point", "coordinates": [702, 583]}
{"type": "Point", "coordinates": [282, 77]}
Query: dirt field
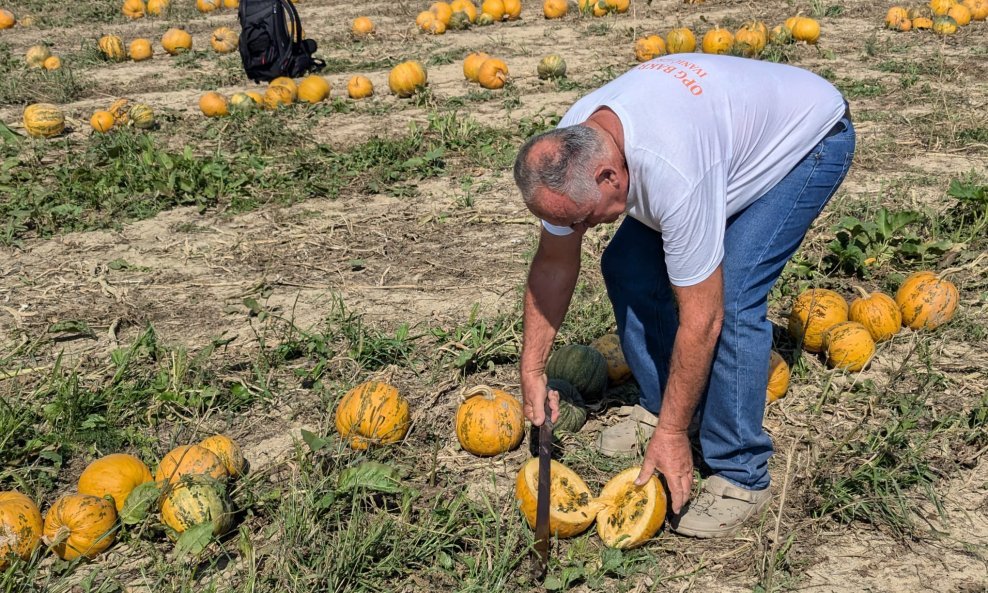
{"type": "Point", "coordinates": [287, 256]}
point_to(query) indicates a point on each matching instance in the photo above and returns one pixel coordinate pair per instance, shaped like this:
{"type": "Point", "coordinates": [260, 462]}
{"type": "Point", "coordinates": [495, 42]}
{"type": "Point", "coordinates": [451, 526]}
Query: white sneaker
{"type": "Point", "coordinates": [628, 436]}
{"type": "Point", "coordinates": [720, 509]}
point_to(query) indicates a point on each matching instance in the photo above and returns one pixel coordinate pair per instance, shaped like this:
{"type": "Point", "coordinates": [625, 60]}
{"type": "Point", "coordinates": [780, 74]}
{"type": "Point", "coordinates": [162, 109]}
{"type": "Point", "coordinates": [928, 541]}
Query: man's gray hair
{"type": "Point", "coordinates": [566, 168]}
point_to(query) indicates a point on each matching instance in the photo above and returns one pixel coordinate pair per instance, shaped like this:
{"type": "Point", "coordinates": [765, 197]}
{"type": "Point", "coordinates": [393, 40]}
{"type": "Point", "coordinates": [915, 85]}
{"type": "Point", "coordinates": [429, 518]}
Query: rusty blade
{"type": "Point", "coordinates": [542, 502]}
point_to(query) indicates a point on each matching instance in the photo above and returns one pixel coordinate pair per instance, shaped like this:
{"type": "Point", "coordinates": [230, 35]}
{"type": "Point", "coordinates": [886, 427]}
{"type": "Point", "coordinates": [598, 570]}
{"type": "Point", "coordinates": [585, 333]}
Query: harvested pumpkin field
{"type": "Point", "coordinates": [167, 276]}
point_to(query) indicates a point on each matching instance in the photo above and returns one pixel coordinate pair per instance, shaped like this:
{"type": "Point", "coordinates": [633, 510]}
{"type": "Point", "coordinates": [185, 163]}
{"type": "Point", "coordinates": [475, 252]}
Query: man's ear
{"type": "Point", "coordinates": [607, 174]}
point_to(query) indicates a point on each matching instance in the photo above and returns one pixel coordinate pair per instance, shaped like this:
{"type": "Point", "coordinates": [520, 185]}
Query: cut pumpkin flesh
{"type": "Point", "coordinates": [630, 515]}
{"type": "Point", "coordinates": [572, 507]}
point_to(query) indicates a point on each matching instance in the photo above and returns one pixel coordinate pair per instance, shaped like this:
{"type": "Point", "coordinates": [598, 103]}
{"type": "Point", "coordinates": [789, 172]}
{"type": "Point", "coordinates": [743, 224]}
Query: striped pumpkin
{"type": "Point", "coordinates": [112, 47]}
{"type": "Point", "coordinates": [195, 500]}
{"type": "Point", "coordinates": [926, 301]}
{"type": "Point", "coordinates": [44, 120]}
{"type": "Point", "coordinates": [489, 421]}
{"type": "Point", "coordinates": [142, 115]}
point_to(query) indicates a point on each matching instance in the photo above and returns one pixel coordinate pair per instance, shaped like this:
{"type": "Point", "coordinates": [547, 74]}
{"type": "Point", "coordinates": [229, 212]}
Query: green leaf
{"type": "Point", "coordinates": [71, 326]}
{"type": "Point", "coordinates": [370, 475]}
{"type": "Point", "coordinates": [315, 443]}
{"type": "Point", "coordinates": [194, 540]}
{"type": "Point", "coordinates": [139, 503]}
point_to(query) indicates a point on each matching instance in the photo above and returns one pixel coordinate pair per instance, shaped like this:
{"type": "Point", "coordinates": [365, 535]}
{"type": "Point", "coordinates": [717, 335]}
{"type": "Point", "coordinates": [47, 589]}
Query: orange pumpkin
{"type": "Point", "coordinates": [140, 50]}
{"type": "Point", "coordinates": [512, 9]}
{"type": "Point", "coordinates": [922, 23]}
{"type": "Point", "coordinates": [849, 346]}
{"type": "Point", "coordinates": [555, 9]}
{"type": "Point", "coordinates": [278, 95]}
{"type": "Point", "coordinates": [359, 87]}
{"type": "Point", "coordinates": [609, 345]}
{"type": "Point", "coordinates": [466, 7]}
{"type": "Point", "coordinates": [572, 507]}
{"type": "Point", "coordinates": [926, 301]}
{"type": "Point", "coordinates": [80, 525]}
{"type": "Point", "coordinates": [189, 460]}
{"type": "Point", "coordinates": [224, 40]}
{"type": "Point", "coordinates": [362, 26]}
{"type": "Point", "coordinates": [806, 29]}
{"type": "Point", "coordinates": [489, 421]}
{"type": "Point", "coordinates": [472, 63]}
{"type": "Point", "coordinates": [961, 14]}
{"type": "Point", "coordinates": [52, 63]}
{"type": "Point", "coordinates": [114, 475]}
{"type": "Point", "coordinates": [895, 16]}
{"type": "Point", "coordinates": [940, 7]}
{"type": "Point", "coordinates": [493, 74]}
{"type": "Point", "coordinates": [750, 42]}
{"type": "Point", "coordinates": [442, 11]}
{"type": "Point", "coordinates": [680, 41]}
{"type": "Point", "coordinates": [630, 514]}
{"type": "Point", "coordinates": [813, 313]}
{"type": "Point", "coordinates": [978, 8]}
{"type": "Point", "coordinates": [878, 312]}
{"type": "Point", "coordinates": [176, 41]}
{"type": "Point", "coordinates": [226, 448]}
{"type": "Point", "coordinates": [156, 7]}
{"type": "Point", "coordinates": [717, 41]}
{"type": "Point", "coordinates": [372, 413]}
{"type": "Point", "coordinates": [407, 77]}
{"type": "Point", "coordinates": [778, 377]}
{"type": "Point", "coordinates": [7, 20]}
{"type": "Point", "coordinates": [208, 5]}
{"type": "Point", "coordinates": [495, 8]}
{"type": "Point", "coordinates": [134, 9]}
{"type": "Point", "coordinates": [101, 121]}
{"type": "Point", "coordinates": [647, 48]}
{"type": "Point", "coordinates": [313, 89]}
{"type": "Point", "coordinates": [20, 527]}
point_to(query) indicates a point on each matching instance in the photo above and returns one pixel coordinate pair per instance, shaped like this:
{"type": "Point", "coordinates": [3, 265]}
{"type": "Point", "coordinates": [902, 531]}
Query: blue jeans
{"type": "Point", "coordinates": [758, 242]}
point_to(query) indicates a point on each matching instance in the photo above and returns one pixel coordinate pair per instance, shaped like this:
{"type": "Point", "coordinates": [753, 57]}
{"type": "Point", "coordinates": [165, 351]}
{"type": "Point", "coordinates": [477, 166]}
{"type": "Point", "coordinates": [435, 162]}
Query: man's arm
{"type": "Point", "coordinates": [701, 313]}
{"type": "Point", "coordinates": [551, 281]}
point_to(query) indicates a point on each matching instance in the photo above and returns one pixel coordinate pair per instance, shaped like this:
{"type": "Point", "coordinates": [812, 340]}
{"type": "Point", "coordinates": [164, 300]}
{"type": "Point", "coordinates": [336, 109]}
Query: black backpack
{"type": "Point", "coordinates": [269, 46]}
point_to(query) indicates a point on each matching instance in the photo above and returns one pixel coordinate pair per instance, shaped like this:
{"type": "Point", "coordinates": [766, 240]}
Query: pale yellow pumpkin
{"type": "Point", "coordinates": [20, 527]}
{"type": "Point", "coordinates": [813, 313]}
{"type": "Point", "coordinates": [572, 507]}
{"type": "Point", "coordinates": [609, 345]}
{"type": "Point", "coordinates": [195, 500]}
{"type": "Point", "coordinates": [36, 56]}
{"type": "Point", "coordinates": [849, 346]}
{"type": "Point", "coordinates": [80, 525]}
{"type": "Point", "coordinates": [630, 515]}
{"type": "Point", "coordinates": [489, 421]}
{"type": "Point", "coordinates": [114, 475]}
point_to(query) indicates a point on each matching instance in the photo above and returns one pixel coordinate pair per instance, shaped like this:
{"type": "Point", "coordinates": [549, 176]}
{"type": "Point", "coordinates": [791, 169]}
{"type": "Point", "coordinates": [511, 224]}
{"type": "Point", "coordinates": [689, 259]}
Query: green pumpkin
{"type": "Point", "coordinates": [142, 116]}
{"type": "Point", "coordinates": [197, 499]}
{"type": "Point", "coordinates": [582, 367]}
{"type": "Point", "coordinates": [572, 416]}
{"type": "Point", "coordinates": [552, 66]}
{"type": "Point", "coordinates": [459, 21]}
{"type": "Point", "coordinates": [485, 19]}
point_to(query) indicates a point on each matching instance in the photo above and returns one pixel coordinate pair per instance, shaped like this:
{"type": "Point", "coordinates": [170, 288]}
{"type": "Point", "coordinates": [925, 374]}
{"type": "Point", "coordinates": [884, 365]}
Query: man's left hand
{"type": "Point", "coordinates": [669, 452]}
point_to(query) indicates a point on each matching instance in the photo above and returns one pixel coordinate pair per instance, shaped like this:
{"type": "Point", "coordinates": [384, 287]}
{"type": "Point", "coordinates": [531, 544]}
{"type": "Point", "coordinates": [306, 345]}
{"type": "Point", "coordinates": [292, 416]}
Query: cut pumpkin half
{"type": "Point", "coordinates": [630, 515]}
{"type": "Point", "coordinates": [572, 507]}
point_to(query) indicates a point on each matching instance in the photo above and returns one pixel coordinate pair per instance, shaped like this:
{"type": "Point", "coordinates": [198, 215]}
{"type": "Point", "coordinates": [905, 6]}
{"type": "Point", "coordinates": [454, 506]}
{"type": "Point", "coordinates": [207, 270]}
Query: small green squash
{"type": "Point", "coordinates": [572, 415]}
{"type": "Point", "coordinates": [142, 115]}
{"type": "Point", "coordinates": [582, 367]}
{"type": "Point", "coordinates": [194, 500]}
{"type": "Point", "coordinates": [551, 67]}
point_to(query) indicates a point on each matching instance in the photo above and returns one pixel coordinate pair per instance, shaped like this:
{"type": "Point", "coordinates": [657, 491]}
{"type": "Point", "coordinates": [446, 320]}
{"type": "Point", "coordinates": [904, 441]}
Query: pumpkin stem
{"type": "Point", "coordinates": [59, 538]}
{"type": "Point", "coordinates": [861, 290]}
{"type": "Point", "coordinates": [483, 390]}
{"type": "Point", "coordinates": [966, 266]}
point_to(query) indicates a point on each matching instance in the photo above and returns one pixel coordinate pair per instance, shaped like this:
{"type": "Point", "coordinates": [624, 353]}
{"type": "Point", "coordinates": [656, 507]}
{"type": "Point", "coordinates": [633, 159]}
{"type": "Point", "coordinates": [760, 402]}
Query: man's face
{"type": "Point", "coordinates": [559, 210]}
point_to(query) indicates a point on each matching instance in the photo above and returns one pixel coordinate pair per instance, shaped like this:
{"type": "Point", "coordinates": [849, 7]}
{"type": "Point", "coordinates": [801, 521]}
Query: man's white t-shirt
{"type": "Point", "coordinates": [705, 136]}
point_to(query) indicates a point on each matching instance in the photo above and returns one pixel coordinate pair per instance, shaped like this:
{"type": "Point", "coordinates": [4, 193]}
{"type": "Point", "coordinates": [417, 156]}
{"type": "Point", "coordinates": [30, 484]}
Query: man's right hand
{"type": "Point", "coordinates": [534, 391]}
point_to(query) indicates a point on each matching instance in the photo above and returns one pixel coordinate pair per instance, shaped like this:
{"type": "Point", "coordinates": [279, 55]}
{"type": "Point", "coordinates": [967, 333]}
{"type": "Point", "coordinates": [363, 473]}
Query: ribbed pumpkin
{"type": "Point", "coordinates": [36, 56]}
{"type": "Point", "coordinates": [582, 367]}
{"type": "Point", "coordinates": [227, 450]}
{"type": "Point", "coordinates": [407, 77]}
{"type": "Point", "coordinates": [630, 515]}
{"type": "Point", "coordinates": [359, 87]}
{"type": "Point", "coordinates": [489, 421]}
{"type": "Point", "coordinates": [806, 29]}
{"type": "Point", "coordinates": [978, 8]}
{"type": "Point", "coordinates": [466, 7]}
{"type": "Point", "coordinates": [134, 9]}
{"type": "Point", "coordinates": [778, 377]}
{"type": "Point", "coordinates": [472, 63]}
{"type": "Point", "coordinates": [609, 346]}
{"type": "Point", "coordinates": [750, 42]}
{"type": "Point", "coordinates": [813, 313]}
{"type": "Point", "coordinates": [681, 40]}
{"type": "Point", "coordinates": [717, 41]}
{"type": "Point", "coordinates": [895, 16]}
{"type": "Point", "coordinates": [43, 120]}
{"type": "Point", "coordinates": [156, 7]}
{"type": "Point", "coordinates": [493, 74]}
{"type": "Point", "coordinates": [224, 40]}
{"type": "Point", "coordinates": [551, 67]}
{"type": "Point", "coordinates": [878, 312]}
{"type": "Point", "coordinates": [940, 7]}
{"type": "Point", "coordinates": [512, 9]}
{"type": "Point", "coordinates": [213, 104]}
{"type": "Point", "coordinates": [572, 507]}
{"type": "Point", "coordinates": [140, 50]}
{"type": "Point", "coordinates": [572, 411]}
{"type": "Point", "coordinates": [362, 26]}
{"type": "Point", "coordinates": [20, 527]}
{"type": "Point", "coordinates": [7, 20]}
{"type": "Point", "coordinates": [278, 95]}
{"type": "Point", "coordinates": [372, 413]}
{"type": "Point", "coordinates": [288, 83]}
{"type": "Point", "coordinates": [926, 301]}
{"type": "Point", "coordinates": [80, 525]}
{"type": "Point", "coordinates": [647, 48]}
{"type": "Point", "coordinates": [460, 21]}
{"type": "Point", "coordinates": [52, 63]}
{"type": "Point", "coordinates": [555, 9]}
{"type": "Point", "coordinates": [849, 346]}
{"type": "Point", "coordinates": [961, 14]}
{"type": "Point", "coordinates": [120, 110]}
{"type": "Point", "coordinates": [208, 5]}
{"type": "Point", "coordinates": [112, 48]}
{"type": "Point", "coordinates": [494, 8]}
{"type": "Point", "coordinates": [101, 121]}
{"type": "Point", "coordinates": [313, 89]}
{"type": "Point", "coordinates": [142, 116]}
{"type": "Point", "coordinates": [484, 20]}
{"type": "Point", "coordinates": [189, 460]}
{"type": "Point", "coordinates": [176, 41]}
{"type": "Point", "coordinates": [114, 475]}
{"type": "Point", "coordinates": [195, 500]}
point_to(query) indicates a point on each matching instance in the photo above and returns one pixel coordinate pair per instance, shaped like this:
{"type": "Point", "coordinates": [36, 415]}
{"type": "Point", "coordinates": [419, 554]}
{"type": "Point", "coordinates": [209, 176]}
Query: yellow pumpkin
{"type": "Point", "coordinates": [493, 74]}
{"type": "Point", "coordinates": [190, 460]}
{"type": "Point", "coordinates": [466, 7]}
{"type": "Point", "coordinates": [750, 42]}
{"type": "Point", "coordinates": [359, 87]}
{"type": "Point", "coordinates": [572, 507]}
{"type": "Point", "coordinates": [101, 121]}
{"type": "Point", "coordinates": [778, 377]}
{"type": "Point", "coordinates": [362, 26]}
{"type": "Point", "coordinates": [208, 5]}
{"type": "Point", "coordinates": [849, 346]}
{"type": "Point", "coordinates": [609, 345]}
{"type": "Point", "coordinates": [195, 500]}
{"type": "Point", "coordinates": [791, 22]}
{"type": "Point", "coordinates": [647, 48]}
{"type": "Point", "coordinates": [224, 40]}
{"type": "Point", "coordinates": [231, 3]}
{"type": "Point", "coordinates": [978, 8]}
{"type": "Point", "coordinates": [926, 301]}
{"type": "Point", "coordinates": [52, 63]}
{"type": "Point", "coordinates": [142, 116]}
{"type": "Point", "coordinates": [223, 446]}
{"type": "Point", "coordinates": [288, 83]}
{"type": "Point", "coordinates": [813, 313]}
{"type": "Point", "coordinates": [895, 16]}
{"type": "Point", "coordinates": [944, 25]}
{"type": "Point", "coordinates": [424, 20]}
{"type": "Point", "coordinates": [114, 475]}
{"type": "Point", "coordinates": [407, 77]}
{"type": "Point", "coordinates": [176, 41]}
{"type": "Point", "coordinates": [20, 527]}
{"type": "Point", "coordinates": [961, 14]}
{"type": "Point", "coordinates": [555, 9]}
{"type": "Point", "coordinates": [7, 20]}
{"type": "Point", "coordinates": [472, 63]}
{"type": "Point", "coordinates": [495, 8]}
{"type": "Point", "coordinates": [512, 9]}
{"type": "Point", "coordinates": [120, 110]}
{"type": "Point", "coordinates": [313, 89]}
{"type": "Point", "coordinates": [156, 7]}
{"type": "Point", "coordinates": [112, 47]}
{"type": "Point", "coordinates": [134, 9]}
{"type": "Point", "coordinates": [878, 312]}
{"type": "Point", "coordinates": [43, 120]}
{"type": "Point", "coordinates": [80, 525]}
{"type": "Point", "coordinates": [140, 50]}
{"type": "Point", "coordinates": [717, 41]}
{"type": "Point", "coordinates": [256, 97]}
{"type": "Point", "coordinates": [372, 413]}
{"type": "Point", "coordinates": [922, 23]}
{"type": "Point", "coordinates": [630, 515]}
{"type": "Point", "coordinates": [242, 102]}
{"type": "Point", "coordinates": [806, 29]}
{"type": "Point", "coordinates": [489, 421]}
{"type": "Point", "coordinates": [940, 7]}
{"type": "Point", "coordinates": [278, 95]}
{"type": "Point", "coordinates": [442, 11]}
{"type": "Point", "coordinates": [618, 6]}
{"type": "Point", "coordinates": [36, 56]}
{"type": "Point", "coordinates": [780, 35]}
{"type": "Point", "coordinates": [680, 40]}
